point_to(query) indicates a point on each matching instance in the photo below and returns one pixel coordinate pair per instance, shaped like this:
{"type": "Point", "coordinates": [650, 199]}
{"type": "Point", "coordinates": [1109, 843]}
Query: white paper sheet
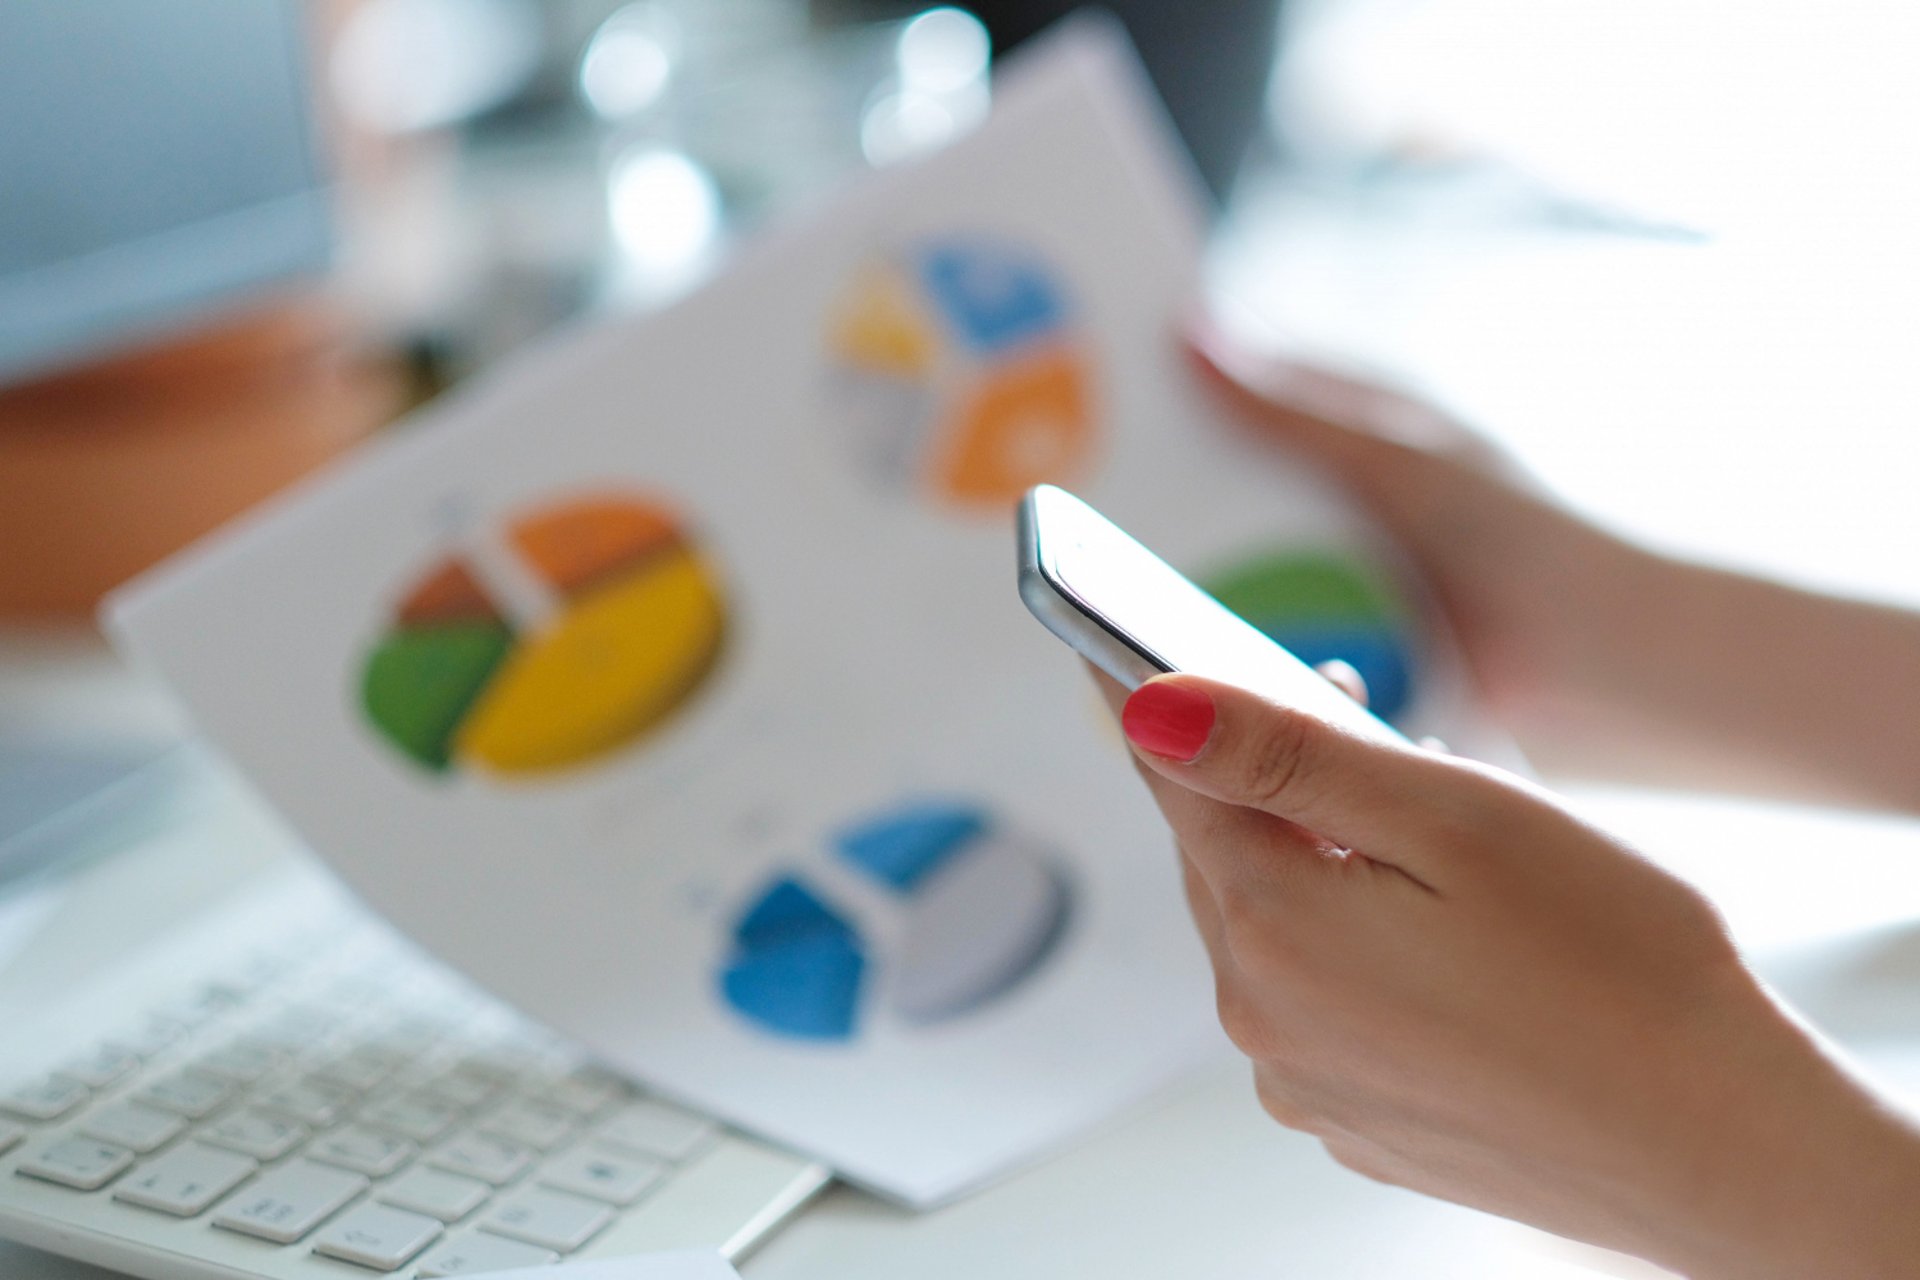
{"type": "Point", "coordinates": [881, 886]}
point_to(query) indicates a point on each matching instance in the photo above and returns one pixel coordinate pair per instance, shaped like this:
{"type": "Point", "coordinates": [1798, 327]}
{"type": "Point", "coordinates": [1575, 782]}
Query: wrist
{"type": "Point", "coordinates": [1629, 620]}
{"type": "Point", "coordinates": [1685, 674]}
{"type": "Point", "coordinates": [1802, 1171]}
{"type": "Point", "coordinates": [1609, 607]}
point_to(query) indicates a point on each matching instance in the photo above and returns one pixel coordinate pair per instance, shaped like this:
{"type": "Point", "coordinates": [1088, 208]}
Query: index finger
{"type": "Point", "coordinates": [1392, 801]}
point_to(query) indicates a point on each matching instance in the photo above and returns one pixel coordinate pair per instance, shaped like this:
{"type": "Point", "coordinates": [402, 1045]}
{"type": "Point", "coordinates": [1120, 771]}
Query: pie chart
{"type": "Point", "coordinates": [961, 373]}
{"type": "Point", "coordinates": [548, 642]}
{"type": "Point", "coordinates": [1323, 606]}
{"type": "Point", "coordinates": [973, 911]}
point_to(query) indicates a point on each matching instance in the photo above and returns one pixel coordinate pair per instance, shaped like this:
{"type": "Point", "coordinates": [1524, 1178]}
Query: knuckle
{"type": "Point", "coordinates": [1276, 762]}
{"type": "Point", "coordinates": [1243, 913]}
{"type": "Point", "coordinates": [1246, 1025]}
{"type": "Point", "coordinates": [1487, 805]}
{"type": "Point", "coordinates": [1704, 921]}
{"type": "Point", "coordinates": [1252, 931]}
{"type": "Point", "coordinates": [1473, 814]}
{"type": "Point", "coordinates": [1356, 1158]}
{"type": "Point", "coordinates": [1280, 1105]}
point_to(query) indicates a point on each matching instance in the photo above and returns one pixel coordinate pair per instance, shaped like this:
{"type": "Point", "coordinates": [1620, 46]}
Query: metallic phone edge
{"type": "Point", "coordinates": [1060, 611]}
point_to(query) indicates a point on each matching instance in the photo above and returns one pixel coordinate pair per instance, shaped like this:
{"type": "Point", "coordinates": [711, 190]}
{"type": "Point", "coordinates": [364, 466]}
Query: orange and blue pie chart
{"type": "Point", "coordinates": [1323, 606]}
{"type": "Point", "coordinates": [973, 911]}
{"type": "Point", "coordinates": [583, 627]}
{"type": "Point", "coordinates": [963, 373]}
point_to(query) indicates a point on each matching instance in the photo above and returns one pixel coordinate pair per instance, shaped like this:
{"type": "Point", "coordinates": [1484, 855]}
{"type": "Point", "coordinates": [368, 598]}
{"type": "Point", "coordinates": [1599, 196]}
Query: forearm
{"type": "Point", "coordinates": [1731, 682]}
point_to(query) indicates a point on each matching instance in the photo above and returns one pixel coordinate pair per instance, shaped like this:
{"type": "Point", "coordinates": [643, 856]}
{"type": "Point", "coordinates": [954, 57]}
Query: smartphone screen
{"type": "Point", "coordinates": [1132, 614]}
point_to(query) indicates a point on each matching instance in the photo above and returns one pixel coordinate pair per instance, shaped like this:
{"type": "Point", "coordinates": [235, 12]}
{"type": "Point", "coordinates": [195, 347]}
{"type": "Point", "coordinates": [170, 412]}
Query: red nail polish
{"type": "Point", "coordinates": [1169, 720]}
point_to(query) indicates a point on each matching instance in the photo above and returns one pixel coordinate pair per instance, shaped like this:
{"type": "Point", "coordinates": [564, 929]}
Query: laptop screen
{"type": "Point", "coordinates": [155, 161]}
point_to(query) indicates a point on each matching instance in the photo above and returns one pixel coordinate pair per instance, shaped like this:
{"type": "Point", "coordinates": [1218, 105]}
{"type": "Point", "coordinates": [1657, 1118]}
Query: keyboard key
{"type": "Point", "coordinates": [418, 1117]}
{"type": "Point", "coordinates": [189, 1093]}
{"type": "Point", "coordinates": [47, 1099]}
{"type": "Point", "coordinates": [376, 1236]}
{"type": "Point", "coordinates": [533, 1124]}
{"type": "Point", "coordinates": [656, 1129]}
{"type": "Point", "coordinates": [316, 1108]}
{"type": "Point", "coordinates": [185, 1180]}
{"type": "Point", "coordinates": [446, 1196]}
{"type": "Point", "coordinates": [362, 1150]}
{"type": "Point", "coordinates": [477, 1155]}
{"type": "Point", "coordinates": [549, 1219]}
{"type": "Point", "coordinates": [480, 1253]}
{"type": "Point", "coordinates": [102, 1067]}
{"type": "Point", "coordinates": [603, 1175]}
{"type": "Point", "coordinates": [583, 1093]}
{"type": "Point", "coordinates": [288, 1202]}
{"type": "Point", "coordinates": [259, 1134]}
{"type": "Point", "coordinates": [130, 1125]}
{"type": "Point", "coordinates": [11, 1136]}
{"type": "Point", "coordinates": [242, 1061]}
{"type": "Point", "coordinates": [81, 1163]}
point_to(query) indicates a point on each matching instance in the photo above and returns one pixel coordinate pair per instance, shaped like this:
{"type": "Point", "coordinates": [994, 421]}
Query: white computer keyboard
{"type": "Point", "coordinates": [290, 1090]}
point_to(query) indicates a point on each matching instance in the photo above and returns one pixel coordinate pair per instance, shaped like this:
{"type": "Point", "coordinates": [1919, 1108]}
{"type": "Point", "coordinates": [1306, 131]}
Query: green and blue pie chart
{"type": "Point", "coordinates": [1322, 606]}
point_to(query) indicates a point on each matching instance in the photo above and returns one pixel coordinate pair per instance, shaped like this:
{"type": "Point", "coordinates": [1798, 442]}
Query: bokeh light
{"type": "Point", "coordinates": [629, 62]}
{"type": "Point", "coordinates": [665, 212]}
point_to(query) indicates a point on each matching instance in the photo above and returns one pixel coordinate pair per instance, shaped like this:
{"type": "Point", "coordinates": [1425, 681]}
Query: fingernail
{"type": "Point", "coordinates": [1169, 720]}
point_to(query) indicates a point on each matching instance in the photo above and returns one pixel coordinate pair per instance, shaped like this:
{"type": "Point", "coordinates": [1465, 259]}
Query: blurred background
{"type": "Point", "coordinates": [1665, 249]}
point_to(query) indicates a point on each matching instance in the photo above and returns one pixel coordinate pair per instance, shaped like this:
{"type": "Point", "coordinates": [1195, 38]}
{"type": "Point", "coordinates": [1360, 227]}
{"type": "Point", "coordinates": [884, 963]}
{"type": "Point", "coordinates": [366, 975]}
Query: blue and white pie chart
{"type": "Point", "coordinates": [969, 912]}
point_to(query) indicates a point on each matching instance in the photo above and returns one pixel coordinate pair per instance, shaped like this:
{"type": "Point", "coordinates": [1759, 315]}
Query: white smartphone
{"type": "Point", "coordinates": [1134, 616]}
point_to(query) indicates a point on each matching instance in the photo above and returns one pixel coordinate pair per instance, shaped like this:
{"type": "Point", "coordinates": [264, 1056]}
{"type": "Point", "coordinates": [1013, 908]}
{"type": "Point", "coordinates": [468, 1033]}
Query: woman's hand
{"type": "Point", "coordinates": [1602, 655]}
{"type": "Point", "coordinates": [1540, 599]}
{"type": "Point", "coordinates": [1462, 989]}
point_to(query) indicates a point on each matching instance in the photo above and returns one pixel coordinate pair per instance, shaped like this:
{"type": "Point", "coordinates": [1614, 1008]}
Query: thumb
{"type": "Point", "coordinates": [1390, 800]}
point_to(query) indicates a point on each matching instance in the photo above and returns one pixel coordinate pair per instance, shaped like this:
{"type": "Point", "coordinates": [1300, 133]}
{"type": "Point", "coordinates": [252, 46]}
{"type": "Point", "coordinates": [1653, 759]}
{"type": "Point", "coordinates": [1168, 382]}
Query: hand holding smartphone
{"type": "Point", "coordinates": [1134, 616]}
